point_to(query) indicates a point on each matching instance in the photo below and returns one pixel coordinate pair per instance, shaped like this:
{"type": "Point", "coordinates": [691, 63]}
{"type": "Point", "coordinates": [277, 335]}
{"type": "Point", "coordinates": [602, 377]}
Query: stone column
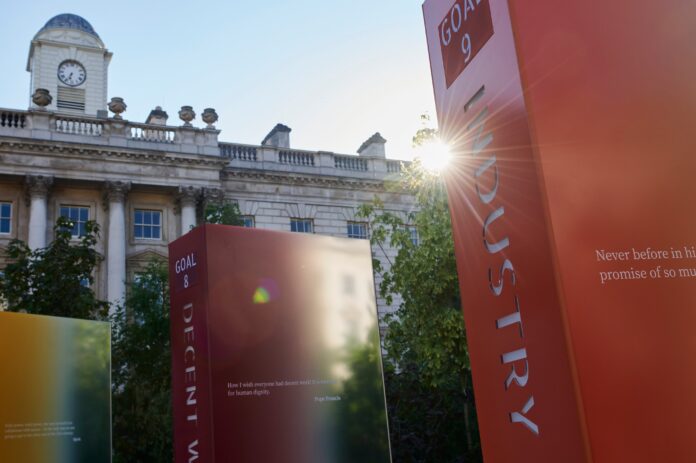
{"type": "Point", "coordinates": [115, 198]}
{"type": "Point", "coordinates": [37, 189]}
{"type": "Point", "coordinates": [188, 197]}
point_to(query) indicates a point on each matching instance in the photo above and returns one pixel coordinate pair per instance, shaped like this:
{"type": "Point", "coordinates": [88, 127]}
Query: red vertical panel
{"type": "Point", "coordinates": [188, 279]}
{"type": "Point", "coordinates": [290, 345]}
{"type": "Point", "coordinates": [591, 107]}
{"type": "Point", "coordinates": [612, 94]}
{"type": "Point", "coordinates": [523, 377]}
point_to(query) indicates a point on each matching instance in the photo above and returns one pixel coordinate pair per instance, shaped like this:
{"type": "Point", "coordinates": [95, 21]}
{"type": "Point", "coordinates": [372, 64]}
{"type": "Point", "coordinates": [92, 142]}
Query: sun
{"type": "Point", "coordinates": [434, 155]}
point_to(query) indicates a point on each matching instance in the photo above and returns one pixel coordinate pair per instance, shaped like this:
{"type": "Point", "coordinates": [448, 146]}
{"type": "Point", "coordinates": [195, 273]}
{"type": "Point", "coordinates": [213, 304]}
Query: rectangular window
{"type": "Point", "coordinates": [147, 224]}
{"type": "Point", "coordinates": [248, 221]}
{"type": "Point", "coordinates": [357, 230]}
{"type": "Point", "coordinates": [78, 215]}
{"type": "Point", "coordinates": [413, 234]}
{"type": "Point", "coordinates": [5, 218]}
{"type": "Point", "coordinates": [301, 225]}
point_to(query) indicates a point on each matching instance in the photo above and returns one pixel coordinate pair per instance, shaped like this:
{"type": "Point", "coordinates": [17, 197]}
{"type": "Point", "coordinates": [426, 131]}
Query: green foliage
{"type": "Point", "coordinates": [225, 213]}
{"type": "Point", "coordinates": [425, 133]}
{"type": "Point", "coordinates": [427, 368]}
{"type": "Point", "coordinates": [141, 383]}
{"type": "Point", "coordinates": [51, 280]}
{"type": "Point", "coordinates": [359, 424]}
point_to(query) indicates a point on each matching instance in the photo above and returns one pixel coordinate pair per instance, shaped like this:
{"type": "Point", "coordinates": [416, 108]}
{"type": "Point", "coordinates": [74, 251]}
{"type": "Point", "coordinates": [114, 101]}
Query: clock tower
{"type": "Point", "coordinates": [68, 58]}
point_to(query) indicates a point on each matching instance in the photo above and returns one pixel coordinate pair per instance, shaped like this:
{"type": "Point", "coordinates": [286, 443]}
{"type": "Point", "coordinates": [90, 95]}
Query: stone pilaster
{"type": "Point", "coordinates": [38, 187]}
{"type": "Point", "coordinates": [115, 198]}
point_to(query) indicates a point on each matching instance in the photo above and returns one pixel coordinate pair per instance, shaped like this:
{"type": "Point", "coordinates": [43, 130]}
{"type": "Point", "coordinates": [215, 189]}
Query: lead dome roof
{"type": "Point", "coordinates": [69, 21]}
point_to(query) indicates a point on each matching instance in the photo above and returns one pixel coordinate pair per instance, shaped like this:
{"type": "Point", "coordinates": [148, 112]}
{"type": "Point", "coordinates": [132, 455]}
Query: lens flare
{"type": "Point", "coordinates": [265, 292]}
{"type": "Point", "coordinates": [261, 296]}
{"type": "Point", "coordinates": [434, 156]}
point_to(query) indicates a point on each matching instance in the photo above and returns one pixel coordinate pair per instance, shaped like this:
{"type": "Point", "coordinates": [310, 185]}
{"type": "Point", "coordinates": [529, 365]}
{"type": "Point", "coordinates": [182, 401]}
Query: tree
{"type": "Point", "coordinates": [54, 280]}
{"type": "Point", "coordinates": [225, 213]}
{"type": "Point", "coordinates": [141, 383]}
{"type": "Point", "coordinates": [427, 370]}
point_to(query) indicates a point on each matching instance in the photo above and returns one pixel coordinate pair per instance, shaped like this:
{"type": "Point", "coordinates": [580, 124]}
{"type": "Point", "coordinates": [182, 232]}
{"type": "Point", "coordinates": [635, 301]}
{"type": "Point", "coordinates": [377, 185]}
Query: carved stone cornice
{"type": "Point", "coordinates": [82, 149]}
{"type": "Point", "coordinates": [309, 180]}
{"type": "Point", "coordinates": [38, 186]}
{"type": "Point", "coordinates": [115, 191]}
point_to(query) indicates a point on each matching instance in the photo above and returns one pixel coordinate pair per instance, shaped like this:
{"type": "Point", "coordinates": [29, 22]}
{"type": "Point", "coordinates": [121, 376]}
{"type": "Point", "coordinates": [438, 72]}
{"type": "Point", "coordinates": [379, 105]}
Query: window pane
{"type": "Point", "coordinates": [357, 230]}
{"type": "Point", "coordinates": [5, 217]}
{"type": "Point", "coordinates": [78, 216]}
{"type": "Point", "coordinates": [147, 224]}
{"type": "Point", "coordinates": [412, 234]}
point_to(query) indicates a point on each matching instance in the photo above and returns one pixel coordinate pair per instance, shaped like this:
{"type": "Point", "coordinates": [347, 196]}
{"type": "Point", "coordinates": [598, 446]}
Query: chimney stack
{"type": "Point", "coordinates": [278, 137]}
{"type": "Point", "coordinates": [157, 117]}
{"type": "Point", "coordinates": [373, 147]}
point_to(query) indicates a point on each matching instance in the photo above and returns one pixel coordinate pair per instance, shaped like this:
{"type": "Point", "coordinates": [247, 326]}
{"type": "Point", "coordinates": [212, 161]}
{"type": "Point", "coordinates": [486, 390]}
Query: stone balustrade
{"type": "Point", "coordinates": [151, 133]}
{"type": "Point", "coordinates": [394, 167]}
{"type": "Point", "coordinates": [13, 119]}
{"type": "Point", "coordinates": [46, 125]}
{"type": "Point", "coordinates": [297, 158]}
{"type": "Point", "coordinates": [74, 126]}
{"type": "Point", "coordinates": [350, 163]}
{"type": "Point", "coordinates": [241, 152]}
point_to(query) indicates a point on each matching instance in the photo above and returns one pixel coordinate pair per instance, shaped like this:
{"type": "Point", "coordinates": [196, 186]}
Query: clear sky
{"type": "Point", "coordinates": [335, 71]}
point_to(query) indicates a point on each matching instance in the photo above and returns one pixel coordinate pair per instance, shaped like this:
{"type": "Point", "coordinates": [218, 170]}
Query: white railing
{"type": "Point", "coordinates": [241, 152]}
{"type": "Point", "coordinates": [350, 163]}
{"type": "Point", "coordinates": [394, 167]}
{"type": "Point", "coordinates": [151, 133]}
{"type": "Point", "coordinates": [75, 126]}
{"type": "Point", "coordinates": [298, 158]}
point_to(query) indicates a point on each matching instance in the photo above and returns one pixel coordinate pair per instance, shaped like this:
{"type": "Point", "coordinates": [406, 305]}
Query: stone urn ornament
{"type": "Point", "coordinates": [187, 114]}
{"type": "Point", "coordinates": [117, 106]}
{"type": "Point", "coordinates": [42, 98]}
{"type": "Point", "coordinates": [210, 117]}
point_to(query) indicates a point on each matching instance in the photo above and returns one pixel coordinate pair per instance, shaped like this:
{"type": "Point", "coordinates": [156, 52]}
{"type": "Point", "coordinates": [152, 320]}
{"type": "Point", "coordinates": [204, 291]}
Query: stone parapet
{"type": "Point", "coordinates": [121, 133]}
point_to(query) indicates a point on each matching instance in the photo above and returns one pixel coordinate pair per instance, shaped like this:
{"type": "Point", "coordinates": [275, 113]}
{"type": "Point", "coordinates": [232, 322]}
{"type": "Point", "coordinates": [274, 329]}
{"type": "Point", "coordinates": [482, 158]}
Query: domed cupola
{"type": "Point", "coordinates": [68, 58]}
{"type": "Point", "coordinates": [69, 21]}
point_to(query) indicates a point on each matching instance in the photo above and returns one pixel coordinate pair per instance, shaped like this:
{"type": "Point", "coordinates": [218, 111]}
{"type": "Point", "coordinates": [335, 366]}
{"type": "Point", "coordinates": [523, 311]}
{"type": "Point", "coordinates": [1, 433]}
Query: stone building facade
{"type": "Point", "coordinates": [145, 183]}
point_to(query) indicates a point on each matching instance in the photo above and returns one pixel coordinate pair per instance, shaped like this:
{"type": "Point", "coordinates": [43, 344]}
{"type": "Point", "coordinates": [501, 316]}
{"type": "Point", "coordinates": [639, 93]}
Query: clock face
{"type": "Point", "coordinates": [71, 73]}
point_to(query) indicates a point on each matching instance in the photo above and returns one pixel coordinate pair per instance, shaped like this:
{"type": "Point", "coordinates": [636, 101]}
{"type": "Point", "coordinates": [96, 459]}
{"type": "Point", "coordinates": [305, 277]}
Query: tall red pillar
{"type": "Point", "coordinates": [571, 195]}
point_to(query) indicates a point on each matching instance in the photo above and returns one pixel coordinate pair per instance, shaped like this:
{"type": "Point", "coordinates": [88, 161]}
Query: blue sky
{"type": "Point", "coordinates": [334, 71]}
